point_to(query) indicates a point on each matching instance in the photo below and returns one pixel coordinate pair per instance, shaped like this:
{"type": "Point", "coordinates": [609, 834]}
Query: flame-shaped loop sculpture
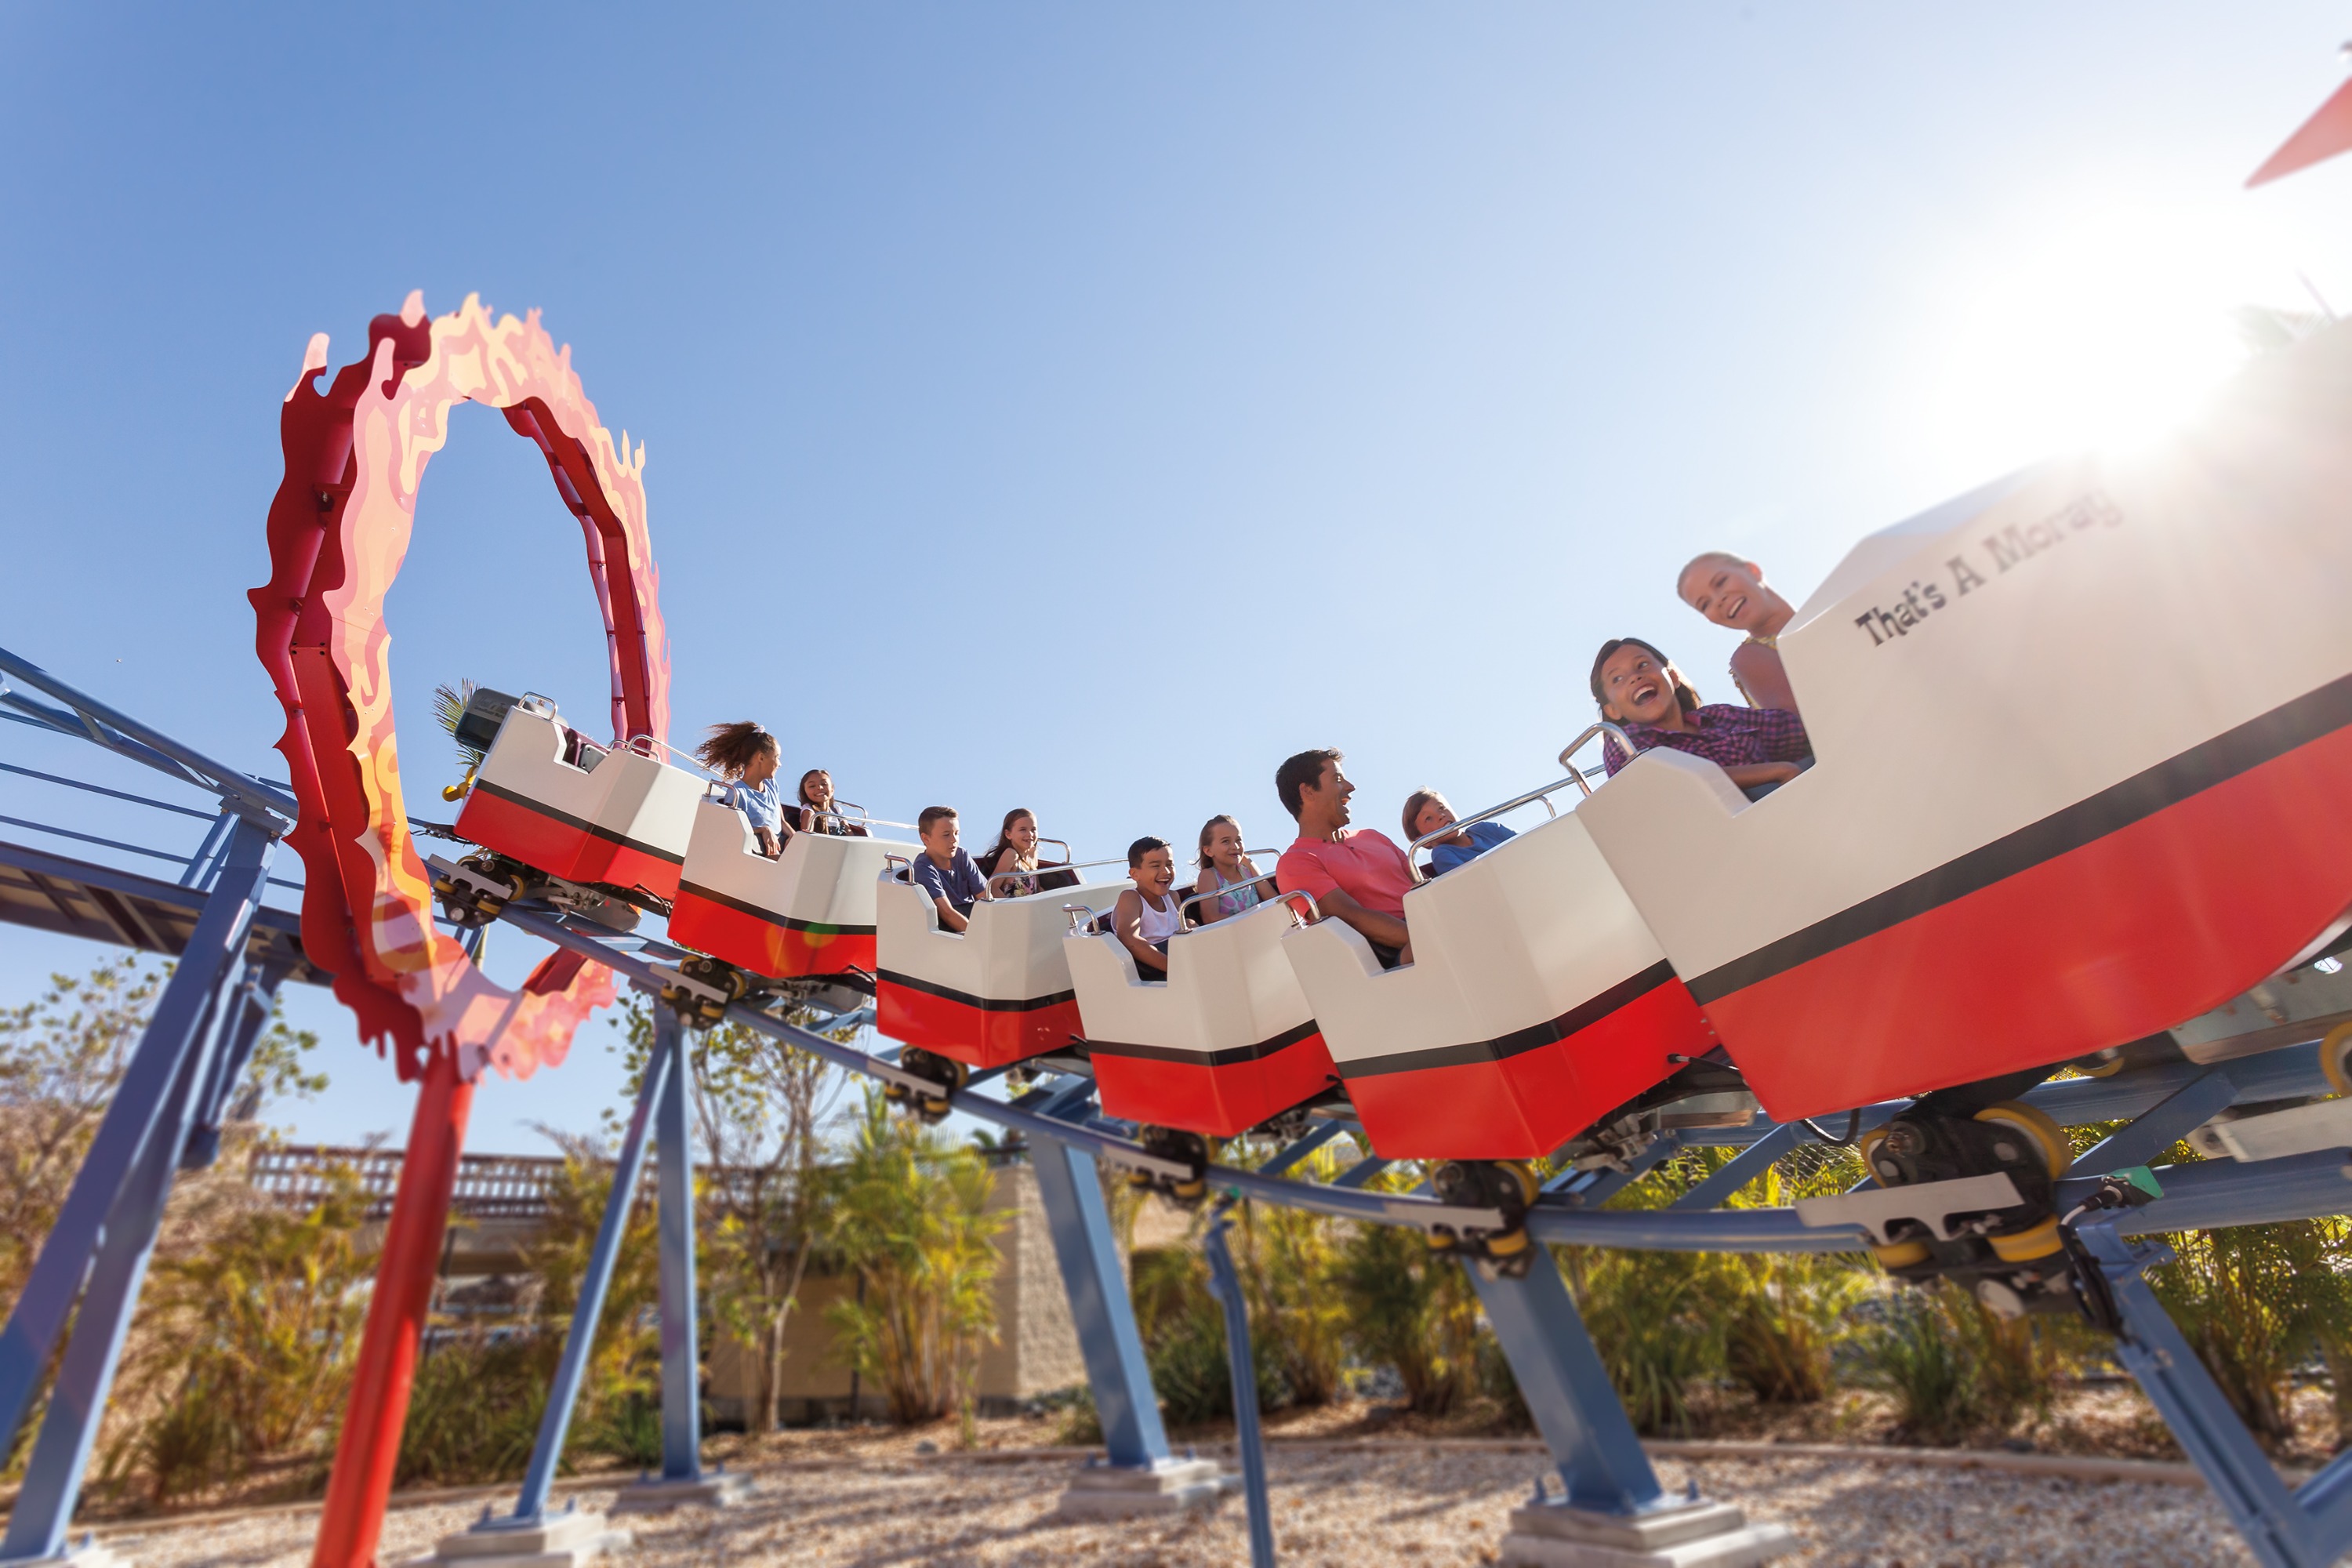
{"type": "Point", "coordinates": [338, 528]}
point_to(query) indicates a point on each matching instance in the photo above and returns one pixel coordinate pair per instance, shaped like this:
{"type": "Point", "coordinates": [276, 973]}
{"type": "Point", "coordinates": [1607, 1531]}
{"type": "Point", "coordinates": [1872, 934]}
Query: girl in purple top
{"type": "Point", "coordinates": [1639, 689]}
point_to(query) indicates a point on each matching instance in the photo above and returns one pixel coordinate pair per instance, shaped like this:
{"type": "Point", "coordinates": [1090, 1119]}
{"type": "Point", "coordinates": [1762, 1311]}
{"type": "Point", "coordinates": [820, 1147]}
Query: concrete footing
{"type": "Point", "coordinates": [1693, 1535]}
{"type": "Point", "coordinates": [658, 1495]}
{"type": "Point", "coordinates": [1114, 1491]}
{"type": "Point", "coordinates": [566, 1540]}
{"type": "Point", "coordinates": [89, 1553]}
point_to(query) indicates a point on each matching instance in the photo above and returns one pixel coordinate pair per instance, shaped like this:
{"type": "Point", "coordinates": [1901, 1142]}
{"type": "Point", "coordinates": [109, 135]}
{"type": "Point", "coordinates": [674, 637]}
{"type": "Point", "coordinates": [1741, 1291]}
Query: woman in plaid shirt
{"type": "Point", "coordinates": [1640, 689]}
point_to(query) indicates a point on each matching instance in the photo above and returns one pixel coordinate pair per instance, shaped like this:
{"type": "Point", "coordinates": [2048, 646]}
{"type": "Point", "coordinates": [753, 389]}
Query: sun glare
{"type": "Point", "coordinates": [2106, 332]}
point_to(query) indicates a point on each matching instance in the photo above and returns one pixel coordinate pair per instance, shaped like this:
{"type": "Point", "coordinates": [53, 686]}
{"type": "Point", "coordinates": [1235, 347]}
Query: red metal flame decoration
{"type": "Point", "coordinates": [338, 529]}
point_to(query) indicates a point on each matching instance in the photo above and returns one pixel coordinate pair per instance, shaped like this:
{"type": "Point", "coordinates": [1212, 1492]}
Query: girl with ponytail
{"type": "Point", "coordinates": [745, 756]}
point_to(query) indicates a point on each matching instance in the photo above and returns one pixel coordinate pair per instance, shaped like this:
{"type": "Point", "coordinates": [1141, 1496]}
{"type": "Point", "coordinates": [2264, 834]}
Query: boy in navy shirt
{"type": "Point", "coordinates": [944, 871]}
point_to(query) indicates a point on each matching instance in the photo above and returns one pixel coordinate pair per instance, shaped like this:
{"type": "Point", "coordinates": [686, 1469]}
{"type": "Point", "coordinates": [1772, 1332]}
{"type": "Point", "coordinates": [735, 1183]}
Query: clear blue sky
{"type": "Point", "coordinates": [1084, 408]}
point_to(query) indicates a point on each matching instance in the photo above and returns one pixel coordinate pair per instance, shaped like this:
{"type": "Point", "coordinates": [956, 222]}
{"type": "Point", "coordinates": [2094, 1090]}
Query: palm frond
{"type": "Point", "coordinates": [449, 707]}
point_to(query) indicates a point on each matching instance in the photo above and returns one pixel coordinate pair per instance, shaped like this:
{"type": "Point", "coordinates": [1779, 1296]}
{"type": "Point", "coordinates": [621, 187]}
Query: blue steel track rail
{"type": "Point", "coordinates": [1597, 1456]}
{"type": "Point", "coordinates": [2196, 1197]}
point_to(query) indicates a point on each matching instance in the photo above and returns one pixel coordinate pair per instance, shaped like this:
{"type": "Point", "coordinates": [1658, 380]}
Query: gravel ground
{"type": "Point", "coordinates": [1406, 1504]}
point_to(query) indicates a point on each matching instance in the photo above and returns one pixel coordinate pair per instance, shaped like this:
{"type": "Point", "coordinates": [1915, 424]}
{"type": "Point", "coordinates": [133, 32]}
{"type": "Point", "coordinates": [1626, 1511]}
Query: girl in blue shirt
{"type": "Point", "coordinates": [1426, 812]}
{"type": "Point", "coordinates": [745, 756]}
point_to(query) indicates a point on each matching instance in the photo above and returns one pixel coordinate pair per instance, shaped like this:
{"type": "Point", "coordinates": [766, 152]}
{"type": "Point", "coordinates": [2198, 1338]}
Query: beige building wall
{"type": "Point", "coordinates": [1036, 1351]}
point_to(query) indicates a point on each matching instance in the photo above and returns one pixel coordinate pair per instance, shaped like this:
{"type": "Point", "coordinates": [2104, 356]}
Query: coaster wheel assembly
{"type": "Point", "coordinates": [948, 1074]}
{"type": "Point", "coordinates": [1190, 1150]}
{"type": "Point", "coordinates": [2012, 1258]}
{"type": "Point", "coordinates": [1507, 1186]}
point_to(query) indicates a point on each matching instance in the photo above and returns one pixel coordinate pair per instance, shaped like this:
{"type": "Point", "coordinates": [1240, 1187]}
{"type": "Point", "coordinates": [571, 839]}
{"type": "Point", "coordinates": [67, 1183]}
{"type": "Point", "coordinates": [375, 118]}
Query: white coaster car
{"type": "Point", "coordinates": [2084, 742]}
{"type": "Point", "coordinates": [620, 818]}
{"type": "Point", "coordinates": [1224, 1043]}
{"type": "Point", "coordinates": [810, 912]}
{"type": "Point", "coordinates": [1536, 1002]}
{"type": "Point", "coordinates": [988, 996]}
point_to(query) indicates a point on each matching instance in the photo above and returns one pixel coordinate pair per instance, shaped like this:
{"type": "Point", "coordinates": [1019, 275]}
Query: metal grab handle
{"type": "Point", "coordinates": [1459, 823]}
{"type": "Point", "coordinates": [1221, 892]}
{"type": "Point", "coordinates": [898, 867]}
{"type": "Point", "coordinates": [1313, 913]}
{"type": "Point", "coordinates": [1055, 865]}
{"type": "Point", "coordinates": [1575, 777]}
{"type": "Point", "coordinates": [1604, 727]}
{"type": "Point", "coordinates": [644, 746]}
{"type": "Point", "coordinates": [862, 819]}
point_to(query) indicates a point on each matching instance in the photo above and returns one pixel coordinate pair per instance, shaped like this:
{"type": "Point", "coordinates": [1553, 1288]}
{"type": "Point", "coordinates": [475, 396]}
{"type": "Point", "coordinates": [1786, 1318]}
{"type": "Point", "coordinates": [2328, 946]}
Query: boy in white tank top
{"type": "Point", "coordinates": [1148, 913]}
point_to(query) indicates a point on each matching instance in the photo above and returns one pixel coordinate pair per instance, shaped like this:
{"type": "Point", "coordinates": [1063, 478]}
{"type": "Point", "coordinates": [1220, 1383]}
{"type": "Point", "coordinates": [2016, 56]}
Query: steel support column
{"type": "Point", "coordinates": [184, 1015]}
{"type": "Point", "coordinates": [2304, 1529]}
{"type": "Point", "coordinates": [1071, 1192]}
{"type": "Point", "coordinates": [531, 1508]}
{"type": "Point", "coordinates": [681, 1365]}
{"type": "Point", "coordinates": [1240, 1366]}
{"type": "Point", "coordinates": [1568, 1390]}
{"type": "Point", "coordinates": [248, 1010]}
{"type": "Point", "coordinates": [45, 1505]}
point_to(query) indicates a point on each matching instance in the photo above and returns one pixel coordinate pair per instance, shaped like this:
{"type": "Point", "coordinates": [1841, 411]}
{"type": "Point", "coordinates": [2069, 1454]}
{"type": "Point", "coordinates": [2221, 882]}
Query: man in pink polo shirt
{"type": "Point", "coordinates": [1356, 874]}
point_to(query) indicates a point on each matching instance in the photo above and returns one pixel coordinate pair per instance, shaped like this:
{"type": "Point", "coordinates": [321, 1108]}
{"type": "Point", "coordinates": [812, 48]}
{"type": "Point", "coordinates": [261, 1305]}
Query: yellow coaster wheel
{"type": "Point", "coordinates": [1190, 1149]}
{"type": "Point", "coordinates": [2336, 1058]}
{"type": "Point", "coordinates": [719, 985]}
{"type": "Point", "coordinates": [1507, 1186]}
{"type": "Point", "coordinates": [932, 1104]}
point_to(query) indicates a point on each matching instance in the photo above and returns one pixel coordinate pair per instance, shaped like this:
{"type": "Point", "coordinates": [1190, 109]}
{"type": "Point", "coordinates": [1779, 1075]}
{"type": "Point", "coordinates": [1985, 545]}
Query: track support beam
{"type": "Point", "coordinates": [96, 1253]}
{"type": "Point", "coordinates": [1141, 1475]}
{"type": "Point", "coordinates": [2308, 1527]}
{"type": "Point", "coordinates": [1240, 1366]}
{"type": "Point", "coordinates": [1612, 1512]}
{"type": "Point", "coordinates": [682, 1479]}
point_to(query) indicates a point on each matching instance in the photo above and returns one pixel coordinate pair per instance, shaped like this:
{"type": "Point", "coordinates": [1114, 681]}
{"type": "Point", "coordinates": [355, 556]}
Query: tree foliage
{"type": "Point", "coordinates": [911, 1224]}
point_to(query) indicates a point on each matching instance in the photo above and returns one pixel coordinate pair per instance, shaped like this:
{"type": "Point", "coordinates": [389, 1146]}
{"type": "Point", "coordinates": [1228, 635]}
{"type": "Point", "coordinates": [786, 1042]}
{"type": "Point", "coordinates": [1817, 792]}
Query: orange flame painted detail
{"type": "Point", "coordinates": [338, 529]}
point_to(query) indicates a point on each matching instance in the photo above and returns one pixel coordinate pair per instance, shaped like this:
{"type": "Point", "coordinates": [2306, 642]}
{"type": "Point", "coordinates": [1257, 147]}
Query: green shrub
{"type": "Point", "coordinates": [1412, 1309]}
{"type": "Point", "coordinates": [250, 1343]}
{"type": "Point", "coordinates": [2255, 1300]}
{"type": "Point", "coordinates": [1298, 1321]}
{"type": "Point", "coordinates": [627, 1427]}
{"type": "Point", "coordinates": [1915, 1352]}
{"type": "Point", "coordinates": [1786, 1319]}
{"type": "Point", "coordinates": [911, 1217]}
{"type": "Point", "coordinates": [1183, 1330]}
{"type": "Point", "coordinates": [474, 1410]}
{"type": "Point", "coordinates": [1076, 1422]}
{"type": "Point", "coordinates": [1658, 1320]}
